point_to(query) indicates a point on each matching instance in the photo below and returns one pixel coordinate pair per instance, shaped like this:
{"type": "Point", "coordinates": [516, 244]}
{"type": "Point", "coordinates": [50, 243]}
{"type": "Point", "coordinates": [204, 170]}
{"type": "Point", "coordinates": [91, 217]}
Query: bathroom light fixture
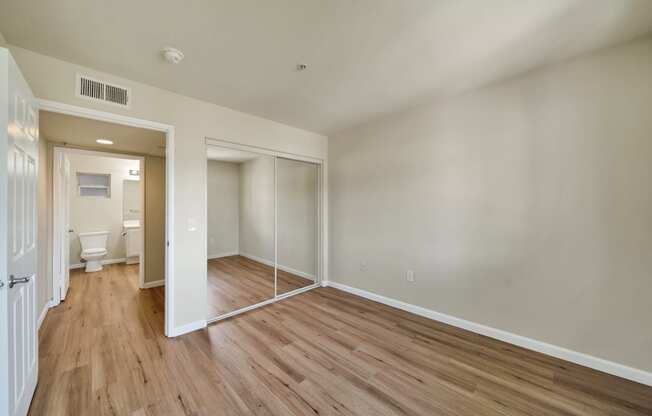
{"type": "Point", "coordinates": [104, 141]}
{"type": "Point", "coordinates": [133, 172]}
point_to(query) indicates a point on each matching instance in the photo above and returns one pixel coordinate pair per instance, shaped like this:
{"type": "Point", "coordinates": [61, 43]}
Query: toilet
{"type": "Point", "coordinates": [93, 249]}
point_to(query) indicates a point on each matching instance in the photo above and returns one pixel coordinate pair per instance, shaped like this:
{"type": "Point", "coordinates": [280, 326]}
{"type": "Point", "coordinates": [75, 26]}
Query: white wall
{"type": "Point", "coordinates": [257, 208]}
{"type": "Point", "coordinates": [194, 120]}
{"type": "Point", "coordinates": [223, 192]}
{"type": "Point", "coordinates": [297, 216]}
{"type": "Point", "coordinates": [88, 214]}
{"type": "Point", "coordinates": [525, 206]}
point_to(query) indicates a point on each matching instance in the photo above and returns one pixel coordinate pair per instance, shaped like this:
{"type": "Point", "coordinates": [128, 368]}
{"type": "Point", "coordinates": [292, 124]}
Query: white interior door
{"type": "Point", "coordinates": [18, 174]}
{"type": "Point", "coordinates": [62, 231]}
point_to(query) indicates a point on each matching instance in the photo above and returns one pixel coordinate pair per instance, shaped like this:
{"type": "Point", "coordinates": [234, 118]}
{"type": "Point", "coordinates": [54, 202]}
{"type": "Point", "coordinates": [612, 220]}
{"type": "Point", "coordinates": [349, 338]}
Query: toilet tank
{"type": "Point", "coordinates": [97, 239]}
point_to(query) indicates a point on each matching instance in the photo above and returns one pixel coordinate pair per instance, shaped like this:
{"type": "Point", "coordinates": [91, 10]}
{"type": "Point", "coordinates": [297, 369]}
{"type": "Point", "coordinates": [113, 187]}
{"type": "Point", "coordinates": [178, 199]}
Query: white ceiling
{"type": "Point", "coordinates": [366, 57]}
{"type": "Point", "coordinates": [228, 155]}
{"type": "Point", "coordinates": [83, 132]}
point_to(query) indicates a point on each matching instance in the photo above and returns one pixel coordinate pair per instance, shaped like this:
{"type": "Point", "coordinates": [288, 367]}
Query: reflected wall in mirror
{"type": "Point", "coordinates": [240, 218]}
{"type": "Point", "coordinates": [298, 220]}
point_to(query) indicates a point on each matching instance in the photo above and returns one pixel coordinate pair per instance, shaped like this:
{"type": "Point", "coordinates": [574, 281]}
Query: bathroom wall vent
{"type": "Point", "coordinates": [96, 90]}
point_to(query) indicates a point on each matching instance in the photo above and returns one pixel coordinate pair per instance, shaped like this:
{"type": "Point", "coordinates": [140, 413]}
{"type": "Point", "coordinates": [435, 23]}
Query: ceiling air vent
{"type": "Point", "coordinates": [93, 89]}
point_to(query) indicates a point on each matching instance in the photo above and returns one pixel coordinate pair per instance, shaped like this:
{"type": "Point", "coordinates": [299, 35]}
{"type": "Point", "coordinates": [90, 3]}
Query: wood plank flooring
{"type": "Point", "coordinates": [324, 352]}
{"type": "Point", "coordinates": [235, 282]}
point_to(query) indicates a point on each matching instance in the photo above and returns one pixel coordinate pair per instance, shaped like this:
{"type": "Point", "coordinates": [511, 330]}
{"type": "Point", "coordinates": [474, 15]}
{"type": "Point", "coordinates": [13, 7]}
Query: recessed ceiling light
{"type": "Point", "coordinates": [104, 141]}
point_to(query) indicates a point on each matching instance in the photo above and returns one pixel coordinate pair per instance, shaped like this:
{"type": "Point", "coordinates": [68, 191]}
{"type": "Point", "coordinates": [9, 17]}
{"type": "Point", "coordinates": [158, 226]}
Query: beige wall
{"type": "Point", "coordinates": [92, 213]}
{"type": "Point", "coordinates": [297, 216]}
{"type": "Point", "coordinates": [223, 192]}
{"type": "Point", "coordinates": [257, 208]}
{"type": "Point", "coordinates": [194, 120]}
{"type": "Point", "coordinates": [44, 271]}
{"type": "Point", "coordinates": [525, 206]}
{"type": "Point", "coordinates": [154, 219]}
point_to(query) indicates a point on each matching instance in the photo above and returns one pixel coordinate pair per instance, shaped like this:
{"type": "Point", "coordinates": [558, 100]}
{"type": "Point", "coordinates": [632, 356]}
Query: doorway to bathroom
{"type": "Point", "coordinates": [99, 201]}
{"type": "Point", "coordinates": [108, 209]}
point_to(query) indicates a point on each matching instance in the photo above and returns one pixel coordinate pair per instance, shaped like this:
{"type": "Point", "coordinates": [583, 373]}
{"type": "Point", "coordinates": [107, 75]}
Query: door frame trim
{"type": "Point", "coordinates": [168, 129]}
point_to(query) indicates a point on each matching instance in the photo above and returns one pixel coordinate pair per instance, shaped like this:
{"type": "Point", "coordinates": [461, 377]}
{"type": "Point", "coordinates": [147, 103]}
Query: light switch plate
{"type": "Point", "coordinates": [192, 224]}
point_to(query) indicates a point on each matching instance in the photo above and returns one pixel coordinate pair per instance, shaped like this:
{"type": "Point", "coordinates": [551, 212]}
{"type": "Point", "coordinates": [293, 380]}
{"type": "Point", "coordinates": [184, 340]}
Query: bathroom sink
{"type": "Point", "coordinates": [127, 224]}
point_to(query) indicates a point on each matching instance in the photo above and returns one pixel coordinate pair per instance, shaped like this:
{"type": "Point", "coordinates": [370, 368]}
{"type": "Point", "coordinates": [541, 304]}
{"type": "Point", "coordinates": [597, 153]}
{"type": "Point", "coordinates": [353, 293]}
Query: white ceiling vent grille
{"type": "Point", "coordinates": [96, 90]}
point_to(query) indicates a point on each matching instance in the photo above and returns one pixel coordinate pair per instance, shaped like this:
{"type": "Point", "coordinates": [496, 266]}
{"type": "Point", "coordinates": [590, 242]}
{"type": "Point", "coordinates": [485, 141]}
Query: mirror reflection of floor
{"type": "Point", "coordinates": [235, 282]}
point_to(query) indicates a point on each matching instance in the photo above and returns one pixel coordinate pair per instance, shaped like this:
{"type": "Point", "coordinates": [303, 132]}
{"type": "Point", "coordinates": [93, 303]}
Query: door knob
{"type": "Point", "coordinates": [13, 281]}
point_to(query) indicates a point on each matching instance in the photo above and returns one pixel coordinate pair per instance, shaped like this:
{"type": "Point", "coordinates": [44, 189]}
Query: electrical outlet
{"type": "Point", "coordinates": [409, 276]}
{"type": "Point", "coordinates": [363, 266]}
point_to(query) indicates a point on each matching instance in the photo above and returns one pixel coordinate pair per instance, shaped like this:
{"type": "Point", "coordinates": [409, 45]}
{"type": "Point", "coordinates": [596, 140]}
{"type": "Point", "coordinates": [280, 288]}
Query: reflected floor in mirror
{"type": "Point", "coordinates": [235, 282]}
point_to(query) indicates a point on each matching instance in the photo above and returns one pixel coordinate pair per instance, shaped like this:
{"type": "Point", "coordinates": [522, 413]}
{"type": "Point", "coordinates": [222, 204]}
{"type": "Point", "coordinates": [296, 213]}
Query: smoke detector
{"type": "Point", "coordinates": [172, 55]}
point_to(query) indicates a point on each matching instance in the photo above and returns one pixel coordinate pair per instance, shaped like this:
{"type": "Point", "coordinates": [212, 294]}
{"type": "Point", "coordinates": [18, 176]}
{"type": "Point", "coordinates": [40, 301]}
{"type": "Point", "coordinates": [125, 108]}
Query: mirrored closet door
{"type": "Point", "coordinates": [297, 224]}
{"type": "Point", "coordinates": [263, 228]}
{"type": "Point", "coordinates": [240, 229]}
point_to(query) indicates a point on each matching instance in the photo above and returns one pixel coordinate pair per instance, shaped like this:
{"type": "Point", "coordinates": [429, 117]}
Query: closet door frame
{"type": "Point", "coordinates": [321, 224]}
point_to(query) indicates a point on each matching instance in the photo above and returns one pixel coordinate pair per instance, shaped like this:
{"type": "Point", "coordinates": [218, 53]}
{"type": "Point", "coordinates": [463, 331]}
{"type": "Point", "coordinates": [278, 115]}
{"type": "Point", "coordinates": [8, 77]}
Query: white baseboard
{"type": "Point", "coordinates": [220, 255]}
{"type": "Point", "coordinates": [184, 329]}
{"type": "Point", "coordinates": [297, 272]}
{"type": "Point", "coordinates": [44, 312]}
{"type": "Point", "coordinates": [104, 262]}
{"type": "Point", "coordinates": [634, 374]}
{"type": "Point", "coordinates": [133, 260]}
{"type": "Point", "coordinates": [258, 259]}
{"type": "Point", "coordinates": [280, 266]}
{"type": "Point", "coordinates": [155, 283]}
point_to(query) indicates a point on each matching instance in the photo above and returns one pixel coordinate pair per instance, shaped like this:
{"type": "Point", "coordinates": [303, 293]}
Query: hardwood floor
{"type": "Point", "coordinates": [324, 352]}
{"type": "Point", "coordinates": [235, 282]}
